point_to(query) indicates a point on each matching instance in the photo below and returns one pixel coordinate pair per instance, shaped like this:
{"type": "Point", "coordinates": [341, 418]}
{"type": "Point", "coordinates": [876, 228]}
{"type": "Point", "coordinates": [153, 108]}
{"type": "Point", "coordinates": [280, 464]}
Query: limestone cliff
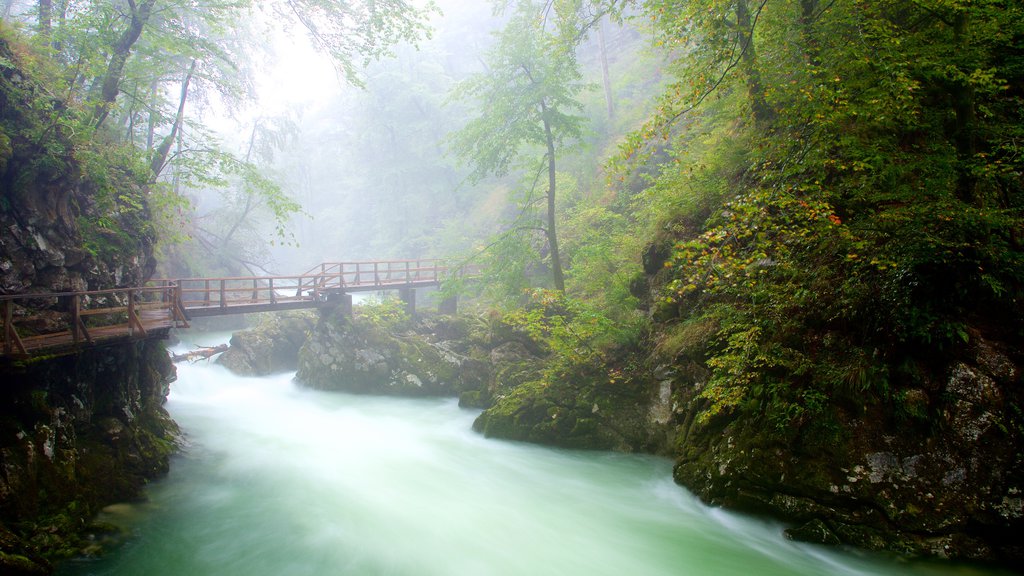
{"type": "Point", "coordinates": [77, 432]}
{"type": "Point", "coordinates": [72, 217]}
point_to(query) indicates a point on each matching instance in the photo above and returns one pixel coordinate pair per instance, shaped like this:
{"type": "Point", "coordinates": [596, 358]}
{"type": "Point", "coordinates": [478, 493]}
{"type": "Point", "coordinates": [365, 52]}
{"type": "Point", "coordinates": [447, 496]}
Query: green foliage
{"type": "Point", "coordinates": [862, 212]}
{"type": "Point", "coordinates": [387, 314]}
{"type": "Point", "coordinates": [531, 79]}
{"type": "Point", "coordinates": [574, 332]}
{"type": "Point", "coordinates": [527, 102]}
{"type": "Point", "coordinates": [357, 32]}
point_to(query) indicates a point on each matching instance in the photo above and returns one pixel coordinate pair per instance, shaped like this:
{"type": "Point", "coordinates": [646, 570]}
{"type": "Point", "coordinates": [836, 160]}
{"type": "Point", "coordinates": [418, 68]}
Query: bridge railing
{"type": "Point", "coordinates": [241, 290]}
{"type": "Point", "coordinates": [225, 292]}
{"type": "Point", "coordinates": [32, 321]}
{"type": "Point", "coordinates": [340, 275]}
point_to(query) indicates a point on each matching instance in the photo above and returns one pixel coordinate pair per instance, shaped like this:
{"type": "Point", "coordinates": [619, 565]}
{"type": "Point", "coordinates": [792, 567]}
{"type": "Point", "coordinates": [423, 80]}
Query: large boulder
{"type": "Point", "coordinates": [361, 356]}
{"type": "Point", "coordinates": [270, 347]}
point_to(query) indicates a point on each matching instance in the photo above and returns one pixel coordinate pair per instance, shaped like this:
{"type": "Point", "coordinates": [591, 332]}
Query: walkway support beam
{"type": "Point", "coordinates": [408, 296]}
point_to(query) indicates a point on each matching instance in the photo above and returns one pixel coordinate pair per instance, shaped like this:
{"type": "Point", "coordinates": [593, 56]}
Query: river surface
{"type": "Point", "coordinates": [283, 481]}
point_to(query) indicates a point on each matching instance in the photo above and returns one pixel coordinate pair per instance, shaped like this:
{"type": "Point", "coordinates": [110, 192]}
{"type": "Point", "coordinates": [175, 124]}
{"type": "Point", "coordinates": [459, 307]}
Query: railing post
{"type": "Point", "coordinates": [131, 313]}
{"type": "Point", "coordinates": [11, 338]}
{"type": "Point", "coordinates": [7, 327]}
{"type": "Point", "coordinates": [223, 294]}
{"type": "Point", "coordinates": [75, 318]}
{"type": "Point", "coordinates": [206, 295]}
{"type": "Point", "coordinates": [178, 307]}
{"type": "Point", "coordinates": [273, 297]}
{"type": "Point", "coordinates": [376, 274]}
{"type": "Point", "coordinates": [133, 316]}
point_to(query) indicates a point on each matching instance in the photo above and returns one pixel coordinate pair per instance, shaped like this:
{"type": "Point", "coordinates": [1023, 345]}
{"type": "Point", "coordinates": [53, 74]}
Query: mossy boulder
{"type": "Point", "coordinates": [271, 346]}
{"type": "Point", "coordinates": [941, 476]}
{"type": "Point", "coordinates": [584, 407]}
{"type": "Point", "coordinates": [408, 359]}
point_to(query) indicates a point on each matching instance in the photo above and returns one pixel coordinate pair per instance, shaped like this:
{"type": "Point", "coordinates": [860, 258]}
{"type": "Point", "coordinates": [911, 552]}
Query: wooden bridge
{"type": "Point", "coordinates": [61, 323]}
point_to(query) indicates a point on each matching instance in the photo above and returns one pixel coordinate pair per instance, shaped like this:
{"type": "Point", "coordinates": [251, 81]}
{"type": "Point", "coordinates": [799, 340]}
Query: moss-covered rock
{"type": "Point", "coordinates": [271, 346]}
{"type": "Point", "coordinates": [949, 484]}
{"type": "Point", "coordinates": [357, 355]}
{"type": "Point", "coordinates": [588, 407]}
{"type": "Point", "coordinates": [78, 433]}
{"type": "Point", "coordinates": [73, 219]}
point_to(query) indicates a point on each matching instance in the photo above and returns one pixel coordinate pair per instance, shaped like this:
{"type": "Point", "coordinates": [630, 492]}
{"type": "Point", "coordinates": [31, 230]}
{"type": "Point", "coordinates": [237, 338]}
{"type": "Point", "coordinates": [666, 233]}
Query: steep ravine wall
{"type": "Point", "coordinates": [77, 433]}
{"type": "Point", "coordinates": [81, 431]}
{"type": "Point", "coordinates": [948, 484]}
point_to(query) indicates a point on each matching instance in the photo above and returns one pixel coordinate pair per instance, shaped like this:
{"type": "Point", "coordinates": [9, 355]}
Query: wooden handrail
{"type": "Point", "coordinates": [121, 311]}
{"type": "Point", "coordinates": [114, 312]}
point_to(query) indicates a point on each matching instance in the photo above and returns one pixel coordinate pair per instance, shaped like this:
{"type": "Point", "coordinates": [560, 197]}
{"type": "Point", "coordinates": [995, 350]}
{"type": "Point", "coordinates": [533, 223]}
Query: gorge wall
{"type": "Point", "coordinates": [77, 432]}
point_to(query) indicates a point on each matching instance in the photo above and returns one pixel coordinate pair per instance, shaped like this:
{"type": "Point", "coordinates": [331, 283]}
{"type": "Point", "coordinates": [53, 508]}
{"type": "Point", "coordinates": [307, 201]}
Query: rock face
{"type": "Point", "coordinates": [60, 228]}
{"type": "Point", "coordinates": [82, 431]}
{"type": "Point", "coordinates": [272, 346]}
{"type": "Point", "coordinates": [354, 355]}
{"type": "Point", "coordinates": [941, 475]}
{"type": "Point", "coordinates": [946, 479]}
{"type": "Point", "coordinates": [937, 471]}
{"type": "Point", "coordinates": [77, 433]}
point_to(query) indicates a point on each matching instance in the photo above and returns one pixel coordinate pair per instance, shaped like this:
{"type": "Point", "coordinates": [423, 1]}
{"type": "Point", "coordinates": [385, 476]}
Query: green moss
{"type": "Point", "coordinates": [18, 564]}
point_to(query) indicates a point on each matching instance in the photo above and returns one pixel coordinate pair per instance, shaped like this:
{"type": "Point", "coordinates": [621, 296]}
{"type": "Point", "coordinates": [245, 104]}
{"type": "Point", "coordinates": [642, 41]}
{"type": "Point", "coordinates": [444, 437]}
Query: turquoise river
{"type": "Point", "coordinates": [277, 480]}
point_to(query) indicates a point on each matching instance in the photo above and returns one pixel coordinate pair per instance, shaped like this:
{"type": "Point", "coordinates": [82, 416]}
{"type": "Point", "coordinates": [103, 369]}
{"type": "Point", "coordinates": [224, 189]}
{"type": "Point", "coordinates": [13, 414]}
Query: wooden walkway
{"type": "Point", "coordinates": [63, 323]}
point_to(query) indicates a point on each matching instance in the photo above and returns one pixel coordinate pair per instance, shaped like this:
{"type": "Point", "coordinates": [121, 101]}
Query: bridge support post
{"type": "Point", "coordinates": [449, 306]}
{"type": "Point", "coordinates": [345, 304]}
{"type": "Point", "coordinates": [408, 295]}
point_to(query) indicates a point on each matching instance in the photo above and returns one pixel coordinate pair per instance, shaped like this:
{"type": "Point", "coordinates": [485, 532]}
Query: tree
{"type": "Point", "coordinates": [847, 195]}
{"type": "Point", "coordinates": [106, 87]}
{"type": "Point", "coordinates": [526, 98]}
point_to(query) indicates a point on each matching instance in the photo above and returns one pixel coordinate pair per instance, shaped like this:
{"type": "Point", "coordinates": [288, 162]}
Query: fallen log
{"type": "Point", "coordinates": [199, 354]}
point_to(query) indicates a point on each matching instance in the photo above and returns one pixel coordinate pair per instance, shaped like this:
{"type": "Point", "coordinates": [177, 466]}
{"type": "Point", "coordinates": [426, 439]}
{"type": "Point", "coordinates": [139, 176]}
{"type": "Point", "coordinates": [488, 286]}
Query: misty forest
{"type": "Point", "coordinates": [507, 287]}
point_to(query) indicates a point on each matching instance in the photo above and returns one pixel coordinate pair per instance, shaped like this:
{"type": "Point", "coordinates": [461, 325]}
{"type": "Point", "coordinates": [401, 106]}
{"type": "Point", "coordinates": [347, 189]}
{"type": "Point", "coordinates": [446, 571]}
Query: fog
{"type": "Point", "coordinates": [286, 146]}
{"type": "Point", "coordinates": [369, 164]}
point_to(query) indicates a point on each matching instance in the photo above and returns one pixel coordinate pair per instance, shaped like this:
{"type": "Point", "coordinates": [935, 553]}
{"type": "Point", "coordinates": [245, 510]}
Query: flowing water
{"type": "Point", "coordinates": [283, 481]}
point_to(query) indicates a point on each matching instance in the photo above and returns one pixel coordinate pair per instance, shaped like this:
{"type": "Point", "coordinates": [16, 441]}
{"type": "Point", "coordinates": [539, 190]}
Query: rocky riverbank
{"type": "Point", "coordinates": [78, 433]}
{"type": "Point", "coordinates": [940, 478]}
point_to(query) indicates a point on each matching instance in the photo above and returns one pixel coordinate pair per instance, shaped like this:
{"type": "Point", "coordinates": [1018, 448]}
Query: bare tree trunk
{"type": "Point", "coordinates": [106, 88]}
{"type": "Point", "coordinates": [151, 128]}
{"type": "Point", "coordinates": [556, 260]}
{"type": "Point", "coordinates": [160, 155]}
{"type": "Point", "coordinates": [755, 89]}
{"type": "Point", "coordinates": [965, 131]}
{"type": "Point", "coordinates": [605, 76]}
{"type": "Point", "coordinates": [45, 17]}
{"type": "Point", "coordinates": [62, 20]}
